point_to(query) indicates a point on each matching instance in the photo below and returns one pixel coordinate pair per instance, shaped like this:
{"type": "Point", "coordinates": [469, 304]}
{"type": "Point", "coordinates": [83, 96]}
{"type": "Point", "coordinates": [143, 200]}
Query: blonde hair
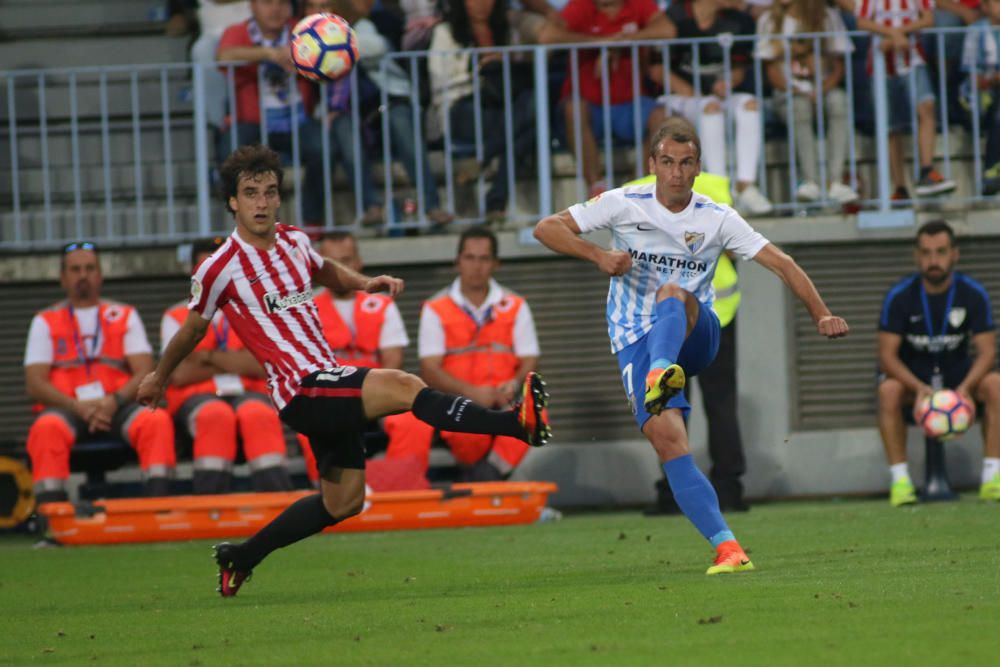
{"type": "Point", "coordinates": [811, 15]}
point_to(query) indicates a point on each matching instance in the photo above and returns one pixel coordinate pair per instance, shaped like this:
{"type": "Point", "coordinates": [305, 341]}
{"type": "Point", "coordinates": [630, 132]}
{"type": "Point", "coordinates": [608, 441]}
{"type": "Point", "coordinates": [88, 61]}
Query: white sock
{"type": "Point", "coordinates": [899, 471]}
{"type": "Point", "coordinates": [991, 468]}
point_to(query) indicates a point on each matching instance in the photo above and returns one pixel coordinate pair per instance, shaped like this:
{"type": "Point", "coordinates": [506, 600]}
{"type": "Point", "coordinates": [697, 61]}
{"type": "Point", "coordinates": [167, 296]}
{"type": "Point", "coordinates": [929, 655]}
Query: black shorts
{"type": "Point", "coordinates": [328, 410]}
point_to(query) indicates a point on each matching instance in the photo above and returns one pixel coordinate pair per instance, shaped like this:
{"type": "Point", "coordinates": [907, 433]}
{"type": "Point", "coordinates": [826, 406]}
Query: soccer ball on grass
{"type": "Point", "coordinates": [944, 414]}
{"type": "Point", "coordinates": [324, 47]}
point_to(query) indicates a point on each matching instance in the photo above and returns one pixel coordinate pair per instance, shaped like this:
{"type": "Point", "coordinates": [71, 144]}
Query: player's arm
{"type": "Point", "coordinates": [986, 359]}
{"type": "Point", "coordinates": [890, 363]}
{"type": "Point", "coordinates": [802, 287]}
{"type": "Point", "coordinates": [560, 233]}
{"type": "Point", "coordinates": [335, 276]}
{"type": "Point", "coordinates": [193, 368]}
{"type": "Point", "coordinates": [181, 345]}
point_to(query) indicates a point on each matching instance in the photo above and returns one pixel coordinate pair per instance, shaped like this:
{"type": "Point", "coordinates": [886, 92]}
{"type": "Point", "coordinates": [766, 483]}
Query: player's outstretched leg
{"type": "Point", "coordinates": [665, 378]}
{"type": "Point", "coordinates": [388, 392]}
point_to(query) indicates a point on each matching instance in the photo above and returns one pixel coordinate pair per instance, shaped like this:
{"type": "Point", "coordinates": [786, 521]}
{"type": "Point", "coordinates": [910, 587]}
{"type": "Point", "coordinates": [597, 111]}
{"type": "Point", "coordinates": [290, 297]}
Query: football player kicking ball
{"type": "Point", "coordinates": [666, 240]}
{"type": "Point", "coordinates": [261, 278]}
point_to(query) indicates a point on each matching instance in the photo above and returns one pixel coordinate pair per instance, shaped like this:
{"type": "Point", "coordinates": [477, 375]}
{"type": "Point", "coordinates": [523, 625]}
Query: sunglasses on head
{"type": "Point", "coordinates": [79, 245]}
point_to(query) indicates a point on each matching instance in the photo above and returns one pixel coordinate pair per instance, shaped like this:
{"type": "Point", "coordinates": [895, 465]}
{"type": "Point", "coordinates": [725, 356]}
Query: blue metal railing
{"type": "Point", "coordinates": [125, 154]}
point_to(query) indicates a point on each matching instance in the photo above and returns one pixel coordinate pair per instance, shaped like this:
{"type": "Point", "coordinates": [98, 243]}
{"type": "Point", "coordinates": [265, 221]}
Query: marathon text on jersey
{"type": "Point", "coordinates": [672, 263]}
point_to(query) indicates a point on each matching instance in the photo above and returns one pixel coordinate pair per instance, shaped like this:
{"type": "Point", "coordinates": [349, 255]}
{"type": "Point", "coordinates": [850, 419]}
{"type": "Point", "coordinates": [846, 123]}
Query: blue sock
{"type": "Point", "coordinates": [665, 339]}
{"type": "Point", "coordinates": [696, 498]}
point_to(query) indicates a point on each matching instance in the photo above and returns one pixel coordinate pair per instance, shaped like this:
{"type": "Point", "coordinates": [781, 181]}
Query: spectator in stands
{"type": "Point", "coordinates": [470, 24]}
{"type": "Point", "coordinates": [214, 16]}
{"type": "Point", "coordinates": [950, 14]}
{"type": "Point", "coordinates": [707, 102]}
{"type": "Point", "coordinates": [981, 52]}
{"type": "Point", "coordinates": [528, 18]}
{"type": "Point", "coordinates": [372, 46]}
{"type": "Point", "coordinates": [601, 22]}
{"type": "Point", "coordinates": [218, 393]}
{"type": "Point", "coordinates": [894, 22]}
{"type": "Point", "coordinates": [791, 17]}
{"type": "Point", "coordinates": [83, 362]}
{"type": "Point", "coordinates": [927, 324]}
{"type": "Point", "coordinates": [477, 339]}
{"type": "Point", "coordinates": [420, 18]}
{"type": "Point", "coordinates": [363, 329]}
{"type": "Point", "coordinates": [180, 17]}
{"type": "Point", "coordinates": [263, 40]}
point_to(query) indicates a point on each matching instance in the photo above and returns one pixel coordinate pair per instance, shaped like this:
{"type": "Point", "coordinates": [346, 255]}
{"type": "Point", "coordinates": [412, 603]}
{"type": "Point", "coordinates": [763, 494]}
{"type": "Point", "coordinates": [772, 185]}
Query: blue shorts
{"type": "Point", "coordinates": [898, 94]}
{"type": "Point", "coordinates": [622, 125]}
{"type": "Point", "coordinates": [697, 352]}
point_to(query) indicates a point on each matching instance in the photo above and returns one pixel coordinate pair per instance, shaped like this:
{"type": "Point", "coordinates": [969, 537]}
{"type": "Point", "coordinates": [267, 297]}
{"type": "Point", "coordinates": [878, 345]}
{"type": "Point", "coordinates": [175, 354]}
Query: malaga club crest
{"type": "Point", "coordinates": [694, 241]}
{"type": "Point", "coordinates": [956, 316]}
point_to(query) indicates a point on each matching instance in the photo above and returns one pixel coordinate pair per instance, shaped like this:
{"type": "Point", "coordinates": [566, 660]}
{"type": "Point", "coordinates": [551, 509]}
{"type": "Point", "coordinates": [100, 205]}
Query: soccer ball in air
{"type": "Point", "coordinates": [324, 47]}
{"type": "Point", "coordinates": [944, 414]}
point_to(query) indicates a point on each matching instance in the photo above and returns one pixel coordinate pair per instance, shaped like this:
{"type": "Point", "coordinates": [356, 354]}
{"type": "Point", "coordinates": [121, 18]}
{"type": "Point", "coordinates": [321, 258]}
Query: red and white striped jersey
{"type": "Point", "coordinates": [267, 298]}
{"type": "Point", "coordinates": [896, 13]}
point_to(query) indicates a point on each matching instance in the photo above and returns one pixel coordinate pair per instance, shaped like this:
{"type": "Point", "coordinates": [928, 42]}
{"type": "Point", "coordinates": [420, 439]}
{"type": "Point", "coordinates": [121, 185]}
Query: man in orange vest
{"type": "Point", "coordinates": [217, 392]}
{"type": "Point", "coordinates": [363, 329]}
{"type": "Point", "coordinates": [477, 339]}
{"type": "Point", "coordinates": [83, 362]}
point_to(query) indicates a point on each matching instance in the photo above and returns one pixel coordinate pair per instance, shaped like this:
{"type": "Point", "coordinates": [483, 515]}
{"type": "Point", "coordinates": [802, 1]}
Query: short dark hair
{"type": "Point", "coordinates": [478, 232]}
{"type": "Point", "coordinates": [932, 227]}
{"type": "Point", "coordinates": [676, 129]}
{"type": "Point", "coordinates": [338, 236]}
{"type": "Point", "coordinates": [253, 160]}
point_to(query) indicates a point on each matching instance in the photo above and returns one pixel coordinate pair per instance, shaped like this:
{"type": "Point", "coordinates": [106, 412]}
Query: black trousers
{"type": "Point", "coordinates": [718, 394]}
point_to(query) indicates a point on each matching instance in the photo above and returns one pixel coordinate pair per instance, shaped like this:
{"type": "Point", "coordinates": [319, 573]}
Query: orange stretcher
{"type": "Point", "coordinates": [242, 514]}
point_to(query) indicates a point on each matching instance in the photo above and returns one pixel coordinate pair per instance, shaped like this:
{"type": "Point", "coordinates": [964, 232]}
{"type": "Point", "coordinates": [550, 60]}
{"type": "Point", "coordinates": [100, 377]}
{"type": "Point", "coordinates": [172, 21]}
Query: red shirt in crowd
{"type": "Point", "coordinates": [584, 17]}
{"type": "Point", "coordinates": [247, 93]}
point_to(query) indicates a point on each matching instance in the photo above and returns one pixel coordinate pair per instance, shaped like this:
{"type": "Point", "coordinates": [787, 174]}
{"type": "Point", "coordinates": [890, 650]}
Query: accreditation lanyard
{"type": "Point", "coordinates": [934, 347]}
{"type": "Point", "coordinates": [221, 334]}
{"type": "Point", "coordinates": [78, 340]}
{"type": "Point", "coordinates": [487, 316]}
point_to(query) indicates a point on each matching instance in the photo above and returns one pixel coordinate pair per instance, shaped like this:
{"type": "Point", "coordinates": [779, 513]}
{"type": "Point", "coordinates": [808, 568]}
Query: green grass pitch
{"type": "Point", "coordinates": [837, 583]}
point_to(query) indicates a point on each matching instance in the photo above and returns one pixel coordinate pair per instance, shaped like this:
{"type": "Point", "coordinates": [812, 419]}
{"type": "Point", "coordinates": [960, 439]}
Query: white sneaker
{"type": "Point", "coordinates": [808, 191]}
{"type": "Point", "coordinates": [842, 194]}
{"type": "Point", "coordinates": [752, 202]}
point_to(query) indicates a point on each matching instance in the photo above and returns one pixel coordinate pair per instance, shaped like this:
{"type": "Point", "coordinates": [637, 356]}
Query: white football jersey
{"type": "Point", "coordinates": [681, 248]}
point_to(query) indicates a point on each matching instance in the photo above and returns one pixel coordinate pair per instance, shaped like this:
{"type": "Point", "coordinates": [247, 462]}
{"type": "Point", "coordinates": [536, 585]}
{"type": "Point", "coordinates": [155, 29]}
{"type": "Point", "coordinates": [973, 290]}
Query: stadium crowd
{"type": "Point", "coordinates": [711, 83]}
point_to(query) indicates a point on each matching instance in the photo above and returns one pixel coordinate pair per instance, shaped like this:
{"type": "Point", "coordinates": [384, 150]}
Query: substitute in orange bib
{"type": "Point", "coordinates": [477, 339]}
{"type": "Point", "coordinates": [362, 329]}
{"type": "Point", "coordinates": [219, 392]}
{"type": "Point", "coordinates": [83, 362]}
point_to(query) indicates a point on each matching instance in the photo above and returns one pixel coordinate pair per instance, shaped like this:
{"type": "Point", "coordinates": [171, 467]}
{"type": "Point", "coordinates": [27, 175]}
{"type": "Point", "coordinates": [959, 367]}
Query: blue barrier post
{"type": "Point", "coordinates": [201, 150]}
